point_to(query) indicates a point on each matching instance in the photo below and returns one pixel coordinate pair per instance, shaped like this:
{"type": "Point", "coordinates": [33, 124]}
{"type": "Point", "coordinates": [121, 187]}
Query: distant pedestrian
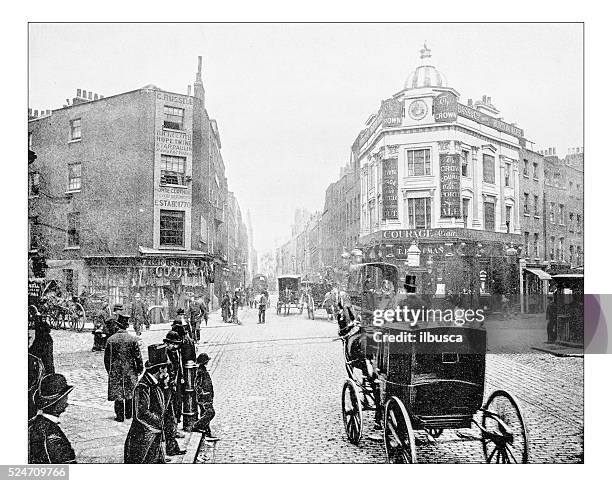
{"type": "Point", "coordinates": [235, 304]}
{"type": "Point", "coordinates": [263, 305]}
{"type": "Point", "coordinates": [144, 441]}
{"type": "Point", "coordinates": [204, 396]}
{"type": "Point", "coordinates": [47, 443]}
{"type": "Point", "coordinates": [197, 312]}
{"type": "Point", "coordinates": [123, 363]}
{"type": "Point", "coordinates": [42, 346]}
{"type": "Point", "coordinates": [226, 305]}
{"type": "Point", "coordinates": [551, 319]}
{"type": "Point", "coordinates": [139, 314]}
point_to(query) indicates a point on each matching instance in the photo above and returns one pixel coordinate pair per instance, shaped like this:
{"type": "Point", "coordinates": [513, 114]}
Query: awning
{"type": "Point", "coordinates": [541, 274]}
{"type": "Point", "coordinates": [174, 253]}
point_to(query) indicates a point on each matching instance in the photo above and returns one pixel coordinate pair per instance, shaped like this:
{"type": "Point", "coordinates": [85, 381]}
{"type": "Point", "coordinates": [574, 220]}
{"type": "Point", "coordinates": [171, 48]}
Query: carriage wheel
{"type": "Point", "coordinates": [278, 309]}
{"type": "Point", "coordinates": [56, 319]}
{"type": "Point", "coordinates": [77, 317]}
{"type": "Point", "coordinates": [352, 413]}
{"type": "Point", "coordinates": [32, 313]}
{"type": "Point", "coordinates": [399, 436]}
{"type": "Point", "coordinates": [504, 438]}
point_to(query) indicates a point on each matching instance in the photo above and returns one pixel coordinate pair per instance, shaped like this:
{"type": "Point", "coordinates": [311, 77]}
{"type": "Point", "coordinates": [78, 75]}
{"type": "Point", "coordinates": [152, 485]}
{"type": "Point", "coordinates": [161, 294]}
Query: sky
{"type": "Point", "coordinates": [290, 99]}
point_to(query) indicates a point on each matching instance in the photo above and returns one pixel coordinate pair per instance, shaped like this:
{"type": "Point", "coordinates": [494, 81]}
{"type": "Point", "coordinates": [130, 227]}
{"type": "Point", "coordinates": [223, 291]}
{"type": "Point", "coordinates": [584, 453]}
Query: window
{"type": "Point", "coordinates": [561, 250]}
{"type": "Point", "coordinates": [74, 177]}
{"type": "Point", "coordinates": [370, 176]}
{"type": "Point", "coordinates": [30, 140]}
{"type": "Point", "coordinates": [465, 209]}
{"type": "Point", "coordinates": [75, 129]}
{"type": "Point", "coordinates": [489, 214]}
{"type": "Point", "coordinates": [465, 163]}
{"type": "Point", "coordinates": [536, 206]}
{"type": "Point", "coordinates": [526, 203]}
{"type": "Point", "coordinates": [552, 247]}
{"type": "Point", "coordinates": [536, 245]}
{"type": "Point", "coordinates": [508, 217]}
{"type": "Point", "coordinates": [173, 117]}
{"type": "Point", "coordinates": [535, 171]}
{"type": "Point", "coordinates": [526, 243]}
{"type": "Point", "coordinates": [578, 187]}
{"type": "Point", "coordinates": [418, 162]}
{"type": "Point", "coordinates": [172, 170]}
{"type": "Point", "coordinates": [571, 254]}
{"type": "Point", "coordinates": [171, 228]}
{"type": "Point", "coordinates": [578, 223]}
{"type": "Point", "coordinates": [561, 214]}
{"type": "Point", "coordinates": [571, 222]}
{"type": "Point", "coordinates": [525, 162]}
{"type": "Point", "coordinates": [488, 169]}
{"type": "Point", "coordinates": [571, 185]}
{"type": "Point", "coordinates": [71, 280]}
{"type": "Point", "coordinates": [418, 211]}
{"type": "Point", "coordinates": [578, 256]}
{"type": "Point", "coordinates": [507, 175]}
{"type": "Point", "coordinates": [551, 213]}
{"type": "Point", "coordinates": [73, 230]}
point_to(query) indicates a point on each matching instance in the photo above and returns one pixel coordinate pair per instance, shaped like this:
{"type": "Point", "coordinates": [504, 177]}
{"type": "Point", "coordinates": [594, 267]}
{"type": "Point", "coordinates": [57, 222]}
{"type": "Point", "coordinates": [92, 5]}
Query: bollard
{"type": "Point", "coordinates": [190, 405]}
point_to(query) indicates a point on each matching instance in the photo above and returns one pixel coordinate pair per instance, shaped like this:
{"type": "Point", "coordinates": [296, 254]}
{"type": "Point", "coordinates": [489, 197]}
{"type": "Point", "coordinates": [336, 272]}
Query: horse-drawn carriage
{"type": "Point", "coordinates": [46, 300]}
{"type": "Point", "coordinates": [429, 382]}
{"type": "Point", "coordinates": [289, 294]}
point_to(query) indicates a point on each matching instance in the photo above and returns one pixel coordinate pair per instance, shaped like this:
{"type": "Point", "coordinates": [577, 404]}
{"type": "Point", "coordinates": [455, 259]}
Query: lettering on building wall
{"type": "Point", "coordinates": [173, 143]}
{"type": "Point", "coordinates": [450, 186]}
{"type": "Point", "coordinates": [445, 107]}
{"type": "Point", "coordinates": [174, 98]}
{"type": "Point", "coordinates": [389, 189]}
{"type": "Point", "coordinates": [389, 115]}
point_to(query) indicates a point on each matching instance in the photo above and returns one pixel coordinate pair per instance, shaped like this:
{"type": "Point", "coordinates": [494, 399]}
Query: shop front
{"type": "Point", "coordinates": [163, 281]}
{"type": "Point", "coordinates": [479, 266]}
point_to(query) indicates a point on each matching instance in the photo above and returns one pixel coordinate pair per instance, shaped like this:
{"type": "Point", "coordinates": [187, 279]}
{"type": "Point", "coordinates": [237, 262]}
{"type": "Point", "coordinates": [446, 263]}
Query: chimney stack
{"type": "Point", "coordinates": [488, 100]}
{"type": "Point", "coordinates": [470, 102]}
{"type": "Point", "coordinates": [188, 90]}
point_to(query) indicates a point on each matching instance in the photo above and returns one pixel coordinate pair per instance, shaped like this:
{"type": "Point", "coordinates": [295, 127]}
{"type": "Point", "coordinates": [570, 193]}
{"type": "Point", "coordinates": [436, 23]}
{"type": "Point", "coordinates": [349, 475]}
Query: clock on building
{"type": "Point", "coordinates": [417, 110]}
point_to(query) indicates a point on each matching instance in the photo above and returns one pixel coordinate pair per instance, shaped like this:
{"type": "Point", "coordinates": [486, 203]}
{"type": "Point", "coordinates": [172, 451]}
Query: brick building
{"type": "Point", "coordinates": [131, 196]}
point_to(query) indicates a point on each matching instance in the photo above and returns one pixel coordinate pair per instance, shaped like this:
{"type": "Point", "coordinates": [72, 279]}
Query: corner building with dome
{"type": "Point", "coordinates": [440, 189]}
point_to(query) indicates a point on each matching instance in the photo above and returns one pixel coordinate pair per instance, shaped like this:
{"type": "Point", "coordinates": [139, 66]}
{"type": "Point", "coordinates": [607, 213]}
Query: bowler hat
{"type": "Point", "coordinates": [202, 358]}
{"type": "Point", "coordinates": [123, 320]}
{"type": "Point", "coordinates": [117, 308]}
{"type": "Point", "coordinates": [173, 338]}
{"type": "Point", "coordinates": [410, 284]}
{"type": "Point", "coordinates": [180, 312]}
{"type": "Point", "coordinates": [52, 389]}
{"type": "Point", "coordinates": [157, 357]}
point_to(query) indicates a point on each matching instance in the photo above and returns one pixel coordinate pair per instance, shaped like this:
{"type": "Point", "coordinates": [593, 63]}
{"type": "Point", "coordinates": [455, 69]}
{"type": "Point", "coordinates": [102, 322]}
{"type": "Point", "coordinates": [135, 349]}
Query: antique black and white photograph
{"type": "Point", "coordinates": [305, 243]}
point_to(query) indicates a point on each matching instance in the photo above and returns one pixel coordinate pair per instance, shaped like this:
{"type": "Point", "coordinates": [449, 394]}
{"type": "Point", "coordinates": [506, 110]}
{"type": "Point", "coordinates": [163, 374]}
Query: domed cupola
{"type": "Point", "coordinates": [426, 75]}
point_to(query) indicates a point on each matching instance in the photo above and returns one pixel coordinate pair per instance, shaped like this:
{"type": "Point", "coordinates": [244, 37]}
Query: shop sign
{"type": "Point", "coordinates": [419, 233]}
{"type": "Point", "coordinates": [174, 98]}
{"type": "Point", "coordinates": [450, 185]}
{"type": "Point", "coordinates": [389, 189]}
{"type": "Point", "coordinates": [173, 143]}
{"type": "Point", "coordinates": [389, 115]}
{"type": "Point", "coordinates": [445, 107]}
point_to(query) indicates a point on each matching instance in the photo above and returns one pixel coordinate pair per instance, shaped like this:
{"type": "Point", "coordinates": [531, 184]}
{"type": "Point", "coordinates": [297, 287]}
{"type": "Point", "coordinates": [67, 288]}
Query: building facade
{"type": "Point", "coordinates": [131, 196]}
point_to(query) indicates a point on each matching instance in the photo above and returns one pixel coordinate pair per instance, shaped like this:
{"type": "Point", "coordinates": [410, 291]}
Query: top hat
{"type": "Point", "coordinates": [202, 358]}
{"type": "Point", "coordinates": [157, 357]}
{"type": "Point", "coordinates": [178, 328]}
{"type": "Point", "coordinates": [52, 389]}
{"type": "Point", "coordinates": [117, 308]}
{"type": "Point", "coordinates": [410, 284]}
{"type": "Point", "coordinates": [123, 320]}
{"type": "Point", "coordinates": [180, 312]}
{"type": "Point", "coordinates": [173, 338]}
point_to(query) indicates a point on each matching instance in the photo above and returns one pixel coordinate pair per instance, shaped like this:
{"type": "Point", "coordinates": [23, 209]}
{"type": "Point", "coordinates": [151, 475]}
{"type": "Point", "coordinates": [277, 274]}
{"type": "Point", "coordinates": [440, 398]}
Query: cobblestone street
{"type": "Point", "coordinates": [277, 397]}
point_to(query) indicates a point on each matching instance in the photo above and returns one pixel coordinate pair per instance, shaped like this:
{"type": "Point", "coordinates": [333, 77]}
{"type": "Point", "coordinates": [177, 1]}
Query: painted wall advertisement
{"type": "Point", "coordinates": [450, 185]}
{"type": "Point", "coordinates": [389, 189]}
{"type": "Point", "coordinates": [445, 107]}
{"type": "Point", "coordinates": [389, 115]}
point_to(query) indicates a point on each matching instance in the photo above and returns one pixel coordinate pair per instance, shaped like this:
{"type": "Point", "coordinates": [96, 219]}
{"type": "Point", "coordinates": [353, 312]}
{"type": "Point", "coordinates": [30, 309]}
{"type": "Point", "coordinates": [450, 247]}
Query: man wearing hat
{"type": "Point", "coordinates": [204, 396]}
{"type": "Point", "coordinates": [144, 443]}
{"type": "Point", "coordinates": [47, 443]}
{"type": "Point", "coordinates": [139, 314]}
{"type": "Point", "coordinates": [123, 363]}
{"type": "Point", "coordinates": [174, 397]}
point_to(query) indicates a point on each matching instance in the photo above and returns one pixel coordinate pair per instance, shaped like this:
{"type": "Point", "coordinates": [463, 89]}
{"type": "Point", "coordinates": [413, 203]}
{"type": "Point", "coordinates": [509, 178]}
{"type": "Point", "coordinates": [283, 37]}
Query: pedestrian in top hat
{"type": "Point", "coordinates": [198, 310]}
{"type": "Point", "coordinates": [123, 363]}
{"type": "Point", "coordinates": [262, 305]}
{"type": "Point", "coordinates": [109, 327]}
{"type": "Point", "coordinates": [174, 397]}
{"type": "Point", "coordinates": [144, 443]}
{"type": "Point", "coordinates": [47, 443]}
{"type": "Point", "coordinates": [42, 346]}
{"type": "Point", "coordinates": [235, 304]}
{"type": "Point", "coordinates": [139, 314]}
{"type": "Point", "coordinates": [204, 396]}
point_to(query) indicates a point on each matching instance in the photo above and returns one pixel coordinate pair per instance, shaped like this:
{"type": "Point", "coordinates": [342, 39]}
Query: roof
{"type": "Point", "coordinates": [289, 276]}
{"type": "Point", "coordinates": [540, 273]}
{"type": "Point", "coordinates": [568, 275]}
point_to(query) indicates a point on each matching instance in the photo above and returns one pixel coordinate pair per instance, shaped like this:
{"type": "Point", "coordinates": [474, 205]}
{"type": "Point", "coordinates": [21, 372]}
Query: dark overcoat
{"type": "Point", "coordinates": [123, 363]}
{"type": "Point", "coordinates": [144, 441]}
{"type": "Point", "coordinates": [47, 443]}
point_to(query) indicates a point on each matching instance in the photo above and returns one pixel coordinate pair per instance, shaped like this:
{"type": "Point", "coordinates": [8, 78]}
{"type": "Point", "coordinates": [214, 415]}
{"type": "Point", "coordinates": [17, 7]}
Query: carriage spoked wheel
{"type": "Point", "coordinates": [504, 435]}
{"type": "Point", "coordinates": [352, 412]}
{"type": "Point", "coordinates": [77, 317]}
{"type": "Point", "coordinates": [398, 434]}
{"type": "Point", "coordinates": [32, 313]}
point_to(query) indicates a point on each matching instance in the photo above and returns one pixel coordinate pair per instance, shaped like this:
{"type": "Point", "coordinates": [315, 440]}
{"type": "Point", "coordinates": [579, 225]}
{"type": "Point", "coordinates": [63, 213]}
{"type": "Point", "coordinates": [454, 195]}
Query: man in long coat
{"type": "Point", "coordinates": [144, 443]}
{"type": "Point", "coordinates": [123, 363]}
{"type": "Point", "coordinates": [139, 314]}
{"type": "Point", "coordinates": [47, 443]}
{"type": "Point", "coordinates": [174, 405]}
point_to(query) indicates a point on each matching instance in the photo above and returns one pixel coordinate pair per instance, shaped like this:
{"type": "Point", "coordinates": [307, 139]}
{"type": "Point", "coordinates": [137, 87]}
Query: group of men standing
{"type": "Point", "coordinates": [230, 305]}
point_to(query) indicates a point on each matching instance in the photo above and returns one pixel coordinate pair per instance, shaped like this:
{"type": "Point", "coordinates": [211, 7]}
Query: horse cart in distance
{"type": "Point", "coordinates": [45, 298]}
{"type": "Point", "coordinates": [419, 387]}
{"type": "Point", "coordinates": [289, 294]}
